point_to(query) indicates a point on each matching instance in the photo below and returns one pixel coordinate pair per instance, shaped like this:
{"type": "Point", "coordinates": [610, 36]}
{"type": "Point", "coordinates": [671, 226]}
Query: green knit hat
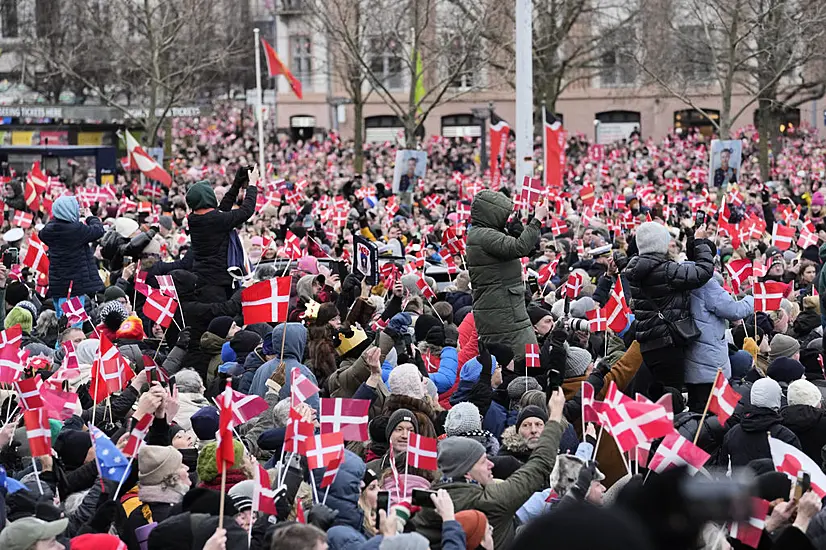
{"type": "Point", "coordinates": [19, 316]}
{"type": "Point", "coordinates": [55, 426]}
{"type": "Point", "coordinates": [201, 195]}
{"type": "Point", "coordinates": [207, 468]}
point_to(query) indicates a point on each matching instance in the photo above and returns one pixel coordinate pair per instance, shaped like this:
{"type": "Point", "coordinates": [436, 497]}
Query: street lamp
{"type": "Point", "coordinates": [596, 130]}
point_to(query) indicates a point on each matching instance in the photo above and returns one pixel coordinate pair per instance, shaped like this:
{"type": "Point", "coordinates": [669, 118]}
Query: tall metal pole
{"type": "Point", "coordinates": [262, 167]}
{"type": "Point", "coordinates": [524, 90]}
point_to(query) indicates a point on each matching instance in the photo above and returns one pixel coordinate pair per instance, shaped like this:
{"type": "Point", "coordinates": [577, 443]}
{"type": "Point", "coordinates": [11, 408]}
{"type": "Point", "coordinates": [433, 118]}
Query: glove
{"type": "Point", "coordinates": [322, 516]}
{"type": "Point", "coordinates": [451, 336]}
{"type": "Point", "coordinates": [485, 358]}
{"type": "Point", "coordinates": [583, 481]}
{"type": "Point", "coordinates": [183, 339]}
{"type": "Point", "coordinates": [104, 514]}
{"type": "Point", "coordinates": [242, 177]}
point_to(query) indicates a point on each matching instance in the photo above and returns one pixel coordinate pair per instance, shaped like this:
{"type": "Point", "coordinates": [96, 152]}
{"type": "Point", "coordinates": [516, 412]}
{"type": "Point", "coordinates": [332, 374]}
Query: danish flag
{"type": "Point", "coordinates": [10, 366]}
{"type": "Point", "coordinates": [427, 292]}
{"type": "Point", "coordinates": [263, 496]}
{"type": "Point", "coordinates": [616, 308]}
{"type": "Point", "coordinates": [589, 403]}
{"type": "Point", "coordinates": [138, 435]}
{"type": "Point", "coordinates": [60, 404]}
{"type": "Point", "coordinates": [422, 452]}
{"type": "Point", "coordinates": [723, 398]}
{"type": "Point", "coordinates": [160, 308]}
{"type": "Point", "coordinates": [141, 160]}
{"type": "Point", "coordinates": [750, 532]}
{"type": "Point", "coordinates": [791, 461]}
{"type": "Point", "coordinates": [39, 432]}
{"type": "Point", "coordinates": [332, 470]}
{"type": "Point", "coordinates": [547, 271]}
{"type": "Point", "coordinates": [759, 269]}
{"type": "Point", "coordinates": [225, 452]}
{"type": "Point", "coordinates": [573, 288]}
{"type": "Point", "coordinates": [28, 391]}
{"type": "Point", "coordinates": [36, 182]}
{"type": "Point", "coordinates": [36, 255]}
{"type": "Point", "coordinates": [558, 227]}
{"type": "Point", "coordinates": [532, 356]}
{"type": "Point", "coordinates": [782, 236]}
{"type": "Point", "coordinates": [297, 433]}
{"type": "Point", "coordinates": [75, 313]}
{"type": "Point", "coordinates": [531, 191]}
{"type": "Point", "coordinates": [633, 423]}
{"type": "Point", "coordinates": [675, 450]}
{"type": "Point", "coordinates": [740, 271]}
{"type": "Point", "coordinates": [267, 301]}
{"type": "Point", "coordinates": [807, 236]}
{"type": "Point", "coordinates": [22, 219]}
{"type": "Point", "coordinates": [165, 285]}
{"type": "Point", "coordinates": [322, 449]}
{"type": "Point", "coordinates": [110, 371]}
{"type": "Point", "coordinates": [301, 387]}
{"type": "Point", "coordinates": [768, 295]}
{"type": "Point", "coordinates": [70, 369]}
{"type": "Point", "coordinates": [597, 320]}
{"type": "Point", "coordinates": [245, 407]}
{"type": "Point", "coordinates": [292, 246]}
{"type": "Point", "coordinates": [347, 416]}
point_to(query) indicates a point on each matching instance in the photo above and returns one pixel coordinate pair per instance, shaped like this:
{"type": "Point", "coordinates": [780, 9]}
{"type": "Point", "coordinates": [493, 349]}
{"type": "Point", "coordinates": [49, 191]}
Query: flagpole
{"type": "Point", "coordinates": [123, 478]}
{"type": "Point", "coordinates": [312, 479]}
{"type": "Point", "coordinates": [599, 438]}
{"type": "Point", "coordinates": [37, 476]}
{"type": "Point", "coordinates": [223, 495]}
{"type": "Point", "coordinates": [708, 402]}
{"type": "Point", "coordinates": [260, 103]}
{"type": "Point", "coordinates": [327, 490]}
{"type": "Point", "coordinates": [545, 151]}
{"type": "Point", "coordinates": [582, 412]}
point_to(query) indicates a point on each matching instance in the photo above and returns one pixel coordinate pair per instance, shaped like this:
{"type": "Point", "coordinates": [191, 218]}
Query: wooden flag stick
{"type": "Point", "coordinates": [223, 497]}
{"type": "Point", "coordinates": [708, 402]}
{"type": "Point", "coordinates": [599, 438]}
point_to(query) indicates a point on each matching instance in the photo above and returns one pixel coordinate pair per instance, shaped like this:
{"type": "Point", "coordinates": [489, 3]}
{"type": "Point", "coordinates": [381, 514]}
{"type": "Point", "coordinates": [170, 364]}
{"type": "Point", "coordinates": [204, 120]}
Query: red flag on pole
{"type": "Point", "coordinates": [348, 416]}
{"type": "Point", "coordinates": [267, 301]}
{"type": "Point", "coordinates": [39, 432]}
{"type": "Point", "coordinates": [768, 295]}
{"type": "Point", "coordinates": [422, 452]}
{"type": "Point", "coordinates": [723, 398]}
{"type": "Point", "coordinates": [225, 454]}
{"type": "Point", "coordinates": [275, 67]}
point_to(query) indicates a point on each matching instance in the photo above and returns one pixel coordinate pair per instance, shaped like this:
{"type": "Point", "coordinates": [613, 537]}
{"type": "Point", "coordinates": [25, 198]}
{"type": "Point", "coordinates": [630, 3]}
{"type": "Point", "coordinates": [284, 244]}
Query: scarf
{"type": "Point", "coordinates": [234, 477]}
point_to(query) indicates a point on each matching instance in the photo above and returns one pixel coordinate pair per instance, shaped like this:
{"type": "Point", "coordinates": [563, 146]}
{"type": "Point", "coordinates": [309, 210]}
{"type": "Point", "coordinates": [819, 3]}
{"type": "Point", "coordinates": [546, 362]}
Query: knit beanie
{"type": "Point", "coordinates": [785, 370]}
{"type": "Point", "coordinates": [531, 411]}
{"type": "Point", "coordinates": [537, 313]}
{"type": "Point", "coordinates": [131, 329]}
{"type": "Point", "coordinates": [113, 293]}
{"type": "Point", "coordinates": [579, 308]}
{"type": "Point", "coordinates": [405, 541]}
{"type": "Point", "coordinates": [165, 222]}
{"type": "Point", "coordinates": [71, 447]}
{"type": "Point", "coordinates": [377, 429]}
{"type": "Point", "coordinates": [326, 313]}
{"type": "Point", "coordinates": [125, 227]}
{"type": "Point", "coordinates": [16, 292]}
{"type": "Point", "coordinates": [577, 362]}
{"type": "Point", "coordinates": [783, 346]}
{"type": "Point", "coordinates": [406, 380]}
{"type": "Point", "coordinates": [803, 392]}
{"type": "Point", "coordinates": [228, 354]}
{"type": "Point", "coordinates": [207, 468]}
{"type": "Point", "coordinates": [241, 495]}
{"type": "Point", "coordinates": [457, 455]}
{"type": "Point", "coordinates": [205, 423]}
{"type": "Point", "coordinates": [473, 369]}
{"type": "Point", "coordinates": [244, 341]}
{"type": "Point", "coordinates": [766, 393]}
{"type": "Point", "coordinates": [200, 195]}
{"type": "Point", "coordinates": [19, 316]}
{"type": "Point", "coordinates": [28, 306]}
{"type": "Point", "coordinates": [462, 419]}
{"type": "Point", "coordinates": [423, 325]}
{"type": "Point", "coordinates": [741, 362]}
{"type": "Point", "coordinates": [220, 326]}
{"type": "Point", "coordinates": [430, 389]}
{"type": "Point", "coordinates": [113, 314]}
{"type": "Point", "coordinates": [519, 385]}
{"type": "Point", "coordinates": [399, 416]}
{"type": "Point", "coordinates": [156, 463]}
{"type": "Point", "coordinates": [475, 524]}
{"type": "Point", "coordinates": [652, 238]}
{"type": "Point", "coordinates": [96, 541]}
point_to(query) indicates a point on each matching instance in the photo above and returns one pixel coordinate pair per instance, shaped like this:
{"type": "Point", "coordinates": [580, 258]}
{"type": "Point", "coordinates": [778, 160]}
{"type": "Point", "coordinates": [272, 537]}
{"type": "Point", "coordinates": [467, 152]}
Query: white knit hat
{"type": "Point", "coordinates": [406, 380]}
{"type": "Point", "coordinates": [652, 238]}
{"type": "Point", "coordinates": [803, 392]}
{"type": "Point", "coordinates": [125, 227]}
{"type": "Point", "coordinates": [463, 418]}
{"type": "Point", "coordinates": [766, 393]}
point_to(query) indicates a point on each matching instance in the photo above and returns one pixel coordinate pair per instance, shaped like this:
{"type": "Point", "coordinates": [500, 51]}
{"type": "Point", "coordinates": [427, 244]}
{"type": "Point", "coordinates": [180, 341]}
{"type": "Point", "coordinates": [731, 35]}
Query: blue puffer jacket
{"type": "Point", "coordinates": [445, 377]}
{"type": "Point", "coordinates": [711, 307]}
{"type": "Point", "coordinates": [345, 491]}
{"type": "Point", "coordinates": [293, 355]}
{"type": "Point", "coordinates": [71, 259]}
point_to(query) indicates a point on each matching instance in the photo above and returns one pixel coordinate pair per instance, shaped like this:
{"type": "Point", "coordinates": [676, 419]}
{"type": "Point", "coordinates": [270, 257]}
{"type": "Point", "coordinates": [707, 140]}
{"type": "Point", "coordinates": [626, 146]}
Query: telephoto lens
{"type": "Point", "coordinates": [581, 325]}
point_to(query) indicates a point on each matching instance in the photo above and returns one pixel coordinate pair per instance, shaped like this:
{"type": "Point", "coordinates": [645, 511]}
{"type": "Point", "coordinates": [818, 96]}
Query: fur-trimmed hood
{"type": "Point", "coordinates": [423, 411]}
{"type": "Point", "coordinates": [514, 444]}
{"type": "Point", "coordinates": [565, 473]}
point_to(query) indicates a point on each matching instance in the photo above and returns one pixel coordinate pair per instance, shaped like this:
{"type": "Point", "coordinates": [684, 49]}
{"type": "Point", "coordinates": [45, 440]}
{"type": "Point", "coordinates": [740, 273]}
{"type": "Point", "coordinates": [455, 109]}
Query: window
{"type": "Point", "coordinates": [694, 56]}
{"type": "Point", "coordinates": [292, 5]}
{"type": "Point", "coordinates": [47, 15]}
{"type": "Point", "coordinates": [301, 58]}
{"type": "Point", "coordinates": [386, 63]}
{"type": "Point", "coordinates": [618, 67]}
{"type": "Point", "coordinates": [467, 76]}
{"type": "Point", "coordinates": [8, 18]}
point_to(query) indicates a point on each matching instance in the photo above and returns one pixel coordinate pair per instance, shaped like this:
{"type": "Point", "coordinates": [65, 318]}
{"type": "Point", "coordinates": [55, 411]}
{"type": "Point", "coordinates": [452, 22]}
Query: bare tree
{"type": "Point", "coordinates": [571, 42]}
{"type": "Point", "coordinates": [414, 54]}
{"type": "Point", "coordinates": [153, 54]}
{"type": "Point", "coordinates": [771, 51]}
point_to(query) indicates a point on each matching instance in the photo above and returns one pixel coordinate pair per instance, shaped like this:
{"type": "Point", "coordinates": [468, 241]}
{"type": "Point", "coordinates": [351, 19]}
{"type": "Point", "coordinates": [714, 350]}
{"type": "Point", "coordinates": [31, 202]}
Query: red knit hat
{"type": "Point", "coordinates": [474, 523]}
{"type": "Point", "coordinates": [97, 541]}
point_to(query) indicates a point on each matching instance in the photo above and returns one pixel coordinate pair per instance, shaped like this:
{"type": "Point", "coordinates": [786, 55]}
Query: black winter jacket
{"type": "Point", "coordinates": [809, 425]}
{"type": "Point", "coordinates": [711, 436]}
{"type": "Point", "coordinates": [71, 259]}
{"type": "Point", "coordinates": [747, 441]}
{"type": "Point", "coordinates": [210, 235]}
{"type": "Point", "coordinates": [660, 285]}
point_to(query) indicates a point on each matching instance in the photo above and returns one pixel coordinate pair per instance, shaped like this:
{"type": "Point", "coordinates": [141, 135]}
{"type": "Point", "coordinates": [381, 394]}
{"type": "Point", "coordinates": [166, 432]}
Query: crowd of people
{"type": "Point", "coordinates": [494, 313]}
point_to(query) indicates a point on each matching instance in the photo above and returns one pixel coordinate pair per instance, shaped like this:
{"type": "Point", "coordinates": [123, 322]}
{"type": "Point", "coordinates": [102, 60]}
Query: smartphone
{"type": "Point", "coordinates": [377, 338]}
{"type": "Point", "coordinates": [700, 218]}
{"type": "Point", "coordinates": [382, 503]}
{"type": "Point", "coordinates": [339, 268]}
{"type": "Point", "coordinates": [11, 257]}
{"type": "Point", "coordinates": [804, 484]}
{"type": "Point", "coordinates": [127, 260]}
{"type": "Point", "coordinates": [533, 284]}
{"type": "Point", "coordinates": [421, 497]}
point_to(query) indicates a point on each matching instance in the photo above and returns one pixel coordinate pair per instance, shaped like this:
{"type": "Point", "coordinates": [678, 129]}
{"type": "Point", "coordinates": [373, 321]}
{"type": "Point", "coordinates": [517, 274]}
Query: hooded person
{"type": "Point", "coordinates": [294, 346]}
{"type": "Point", "coordinates": [747, 440]}
{"type": "Point", "coordinates": [71, 258]}
{"type": "Point", "coordinates": [805, 417]}
{"type": "Point", "coordinates": [660, 289]}
{"type": "Point", "coordinates": [163, 480]}
{"type": "Point", "coordinates": [493, 259]}
{"type": "Point", "coordinates": [466, 476]}
{"type": "Point", "coordinates": [211, 225]}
